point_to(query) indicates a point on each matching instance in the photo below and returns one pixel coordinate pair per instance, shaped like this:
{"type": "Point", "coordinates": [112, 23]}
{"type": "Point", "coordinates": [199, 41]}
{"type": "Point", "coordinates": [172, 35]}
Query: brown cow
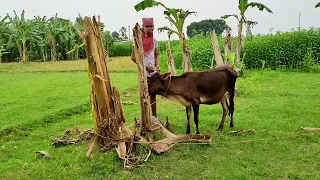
{"type": "Point", "coordinates": [195, 88]}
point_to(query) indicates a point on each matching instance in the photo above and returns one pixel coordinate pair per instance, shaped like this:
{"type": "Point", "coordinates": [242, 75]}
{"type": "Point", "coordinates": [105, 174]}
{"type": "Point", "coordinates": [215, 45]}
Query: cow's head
{"type": "Point", "coordinates": [155, 82]}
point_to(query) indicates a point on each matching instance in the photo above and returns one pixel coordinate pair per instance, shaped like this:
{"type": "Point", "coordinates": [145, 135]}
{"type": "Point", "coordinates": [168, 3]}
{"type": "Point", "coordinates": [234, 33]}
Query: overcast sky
{"type": "Point", "coordinates": [117, 13]}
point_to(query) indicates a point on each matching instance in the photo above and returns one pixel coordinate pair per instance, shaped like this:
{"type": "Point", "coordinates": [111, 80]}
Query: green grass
{"type": "Point", "coordinates": [38, 106]}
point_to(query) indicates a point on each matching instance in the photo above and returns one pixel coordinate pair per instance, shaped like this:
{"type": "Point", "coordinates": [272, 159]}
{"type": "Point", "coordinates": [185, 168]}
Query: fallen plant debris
{"type": "Point", "coordinates": [310, 129]}
{"type": "Point", "coordinates": [128, 103]}
{"type": "Point", "coordinates": [242, 132]}
{"type": "Point", "coordinates": [44, 154]}
{"type": "Point", "coordinates": [72, 137]}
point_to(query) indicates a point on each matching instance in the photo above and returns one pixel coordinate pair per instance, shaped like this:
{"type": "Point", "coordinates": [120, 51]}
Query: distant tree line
{"type": "Point", "coordinates": [46, 39]}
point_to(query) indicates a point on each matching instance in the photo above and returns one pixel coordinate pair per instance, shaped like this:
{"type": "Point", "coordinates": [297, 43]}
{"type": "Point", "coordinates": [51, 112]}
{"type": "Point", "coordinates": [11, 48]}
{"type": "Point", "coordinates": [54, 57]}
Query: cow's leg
{"type": "Point", "coordinates": [188, 112]}
{"type": "Point", "coordinates": [225, 112]}
{"type": "Point", "coordinates": [196, 116]}
{"type": "Point", "coordinates": [231, 109]}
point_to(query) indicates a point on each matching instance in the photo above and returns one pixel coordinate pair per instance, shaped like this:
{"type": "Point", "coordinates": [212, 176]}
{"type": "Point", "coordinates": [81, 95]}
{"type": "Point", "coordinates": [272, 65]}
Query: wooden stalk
{"type": "Point", "coordinates": [24, 53]}
{"type": "Point", "coordinates": [239, 42]}
{"type": "Point", "coordinates": [101, 94]}
{"type": "Point", "coordinates": [186, 53]}
{"type": "Point", "coordinates": [53, 50]}
{"type": "Point", "coordinates": [228, 43]}
{"type": "Point", "coordinates": [143, 86]}
{"type": "Point", "coordinates": [170, 59]}
{"type": "Point", "coordinates": [216, 49]}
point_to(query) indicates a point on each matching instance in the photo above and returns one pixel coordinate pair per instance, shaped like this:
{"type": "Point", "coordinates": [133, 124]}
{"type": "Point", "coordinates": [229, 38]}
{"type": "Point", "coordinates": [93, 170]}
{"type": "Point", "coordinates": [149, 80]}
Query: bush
{"type": "Point", "coordinates": [125, 49]}
{"type": "Point", "coordinates": [283, 50]}
{"type": "Point", "coordinates": [121, 49]}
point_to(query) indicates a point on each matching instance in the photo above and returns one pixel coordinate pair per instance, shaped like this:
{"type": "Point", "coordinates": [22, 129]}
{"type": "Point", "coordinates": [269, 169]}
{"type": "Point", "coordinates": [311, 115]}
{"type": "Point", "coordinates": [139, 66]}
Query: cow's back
{"type": "Point", "coordinates": [213, 84]}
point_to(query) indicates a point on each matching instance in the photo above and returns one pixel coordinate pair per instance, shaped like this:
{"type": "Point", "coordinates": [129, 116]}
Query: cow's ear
{"type": "Point", "coordinates": [165, 76]}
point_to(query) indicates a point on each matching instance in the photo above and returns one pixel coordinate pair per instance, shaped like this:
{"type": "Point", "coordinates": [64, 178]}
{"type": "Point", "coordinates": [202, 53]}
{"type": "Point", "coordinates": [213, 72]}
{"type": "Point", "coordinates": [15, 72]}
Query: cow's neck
{"type": "Point", "coordinates": [173, 90]}
{"type": "Point", "coordinates": [171, 86]}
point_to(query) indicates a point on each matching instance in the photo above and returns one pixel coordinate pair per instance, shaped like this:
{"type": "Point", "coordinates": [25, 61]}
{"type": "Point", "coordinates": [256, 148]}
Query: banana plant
{"type": "Point", "coordinates": [177, 18]}
{"type": "Point", "coordinates": [171, 64]}
{"type": "Point", "coordinates": [230, 58]}
{"type": "Point", "coordinates": [243, 7]}
{"type": "Point", "coordinates": [42, 30]}
{"type": "Point", "coordinates": [22, 33]}
{"type": "Point", "coordinates": [2, 52]}
{"type": "Point", "coordinates": [57, 34]}
{"type": "Point", "coordinates": [76, 49]}
{"type": "Point", "coordinates": [318, 5]}
{"type": "Point", "coordinates": [108, 40]}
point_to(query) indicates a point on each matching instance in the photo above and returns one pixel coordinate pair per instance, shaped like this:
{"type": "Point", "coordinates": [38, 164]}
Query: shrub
{"type": "Point", "coordinates": [121, 49]}
{"type": "Point", "coordinates": [282, 50]}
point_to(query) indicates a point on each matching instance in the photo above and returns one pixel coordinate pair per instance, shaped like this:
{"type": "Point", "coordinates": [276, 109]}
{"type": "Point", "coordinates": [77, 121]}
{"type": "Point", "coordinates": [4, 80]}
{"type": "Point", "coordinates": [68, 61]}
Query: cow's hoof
{"type": "Point", "coordinates": [198, 132]}
{"type": "Point", "coordinates": [188, 132]}
{"type": "Point", "coordinates": [220, 129]}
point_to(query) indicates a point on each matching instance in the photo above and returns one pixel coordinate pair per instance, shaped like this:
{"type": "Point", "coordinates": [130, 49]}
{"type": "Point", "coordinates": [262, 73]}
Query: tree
{"type": "Point", "coordinates": [177, 18]}
{"type": "Point", "coordinates": [206, 26]}
{"type": "Point", "coordinates": [41, 25]}
{"type": "Point", "coordinates": [22, 33]}
{"type": "Point", "coordinates": [123, 33]}
{"type": "Point", "coordinates": [2, 52]}
{"type": "Point", "coordinates": [318, 5]}
{"type": "Point", "coordinates": [57, 32]}
{"type": "Point", "coordinates": [243, 6]}
{"type": "Point", "coordinates": [4, 36]}
{"type": "Point", "coordinates": [108, 40]}
{"type": "Point", "coordinates": [115, 34]}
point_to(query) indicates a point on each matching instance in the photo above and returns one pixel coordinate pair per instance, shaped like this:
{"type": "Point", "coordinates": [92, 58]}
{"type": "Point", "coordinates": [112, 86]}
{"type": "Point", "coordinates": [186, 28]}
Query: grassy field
{"type": "Point", "coordinates": [40, 101]}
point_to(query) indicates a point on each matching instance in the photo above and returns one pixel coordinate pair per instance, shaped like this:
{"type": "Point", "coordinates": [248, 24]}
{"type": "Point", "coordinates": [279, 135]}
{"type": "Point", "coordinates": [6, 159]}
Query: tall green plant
{"type": "Point", "coordinates": [22, 33]}
{"type": "Point", "coordinates": [57, 32]}
{"type": "Point", "coordinates": [42, 29]}
{"type": "Point", "coordinates": [243, 7]}
{"type": "Point", "coordinates": [177, 18]}
{"type": "Point", "coordinates": [318, 5]}
{"type": "Point", "coordinates": [2, 52]}
{"type": "Point", "coordinates": [108, 40]}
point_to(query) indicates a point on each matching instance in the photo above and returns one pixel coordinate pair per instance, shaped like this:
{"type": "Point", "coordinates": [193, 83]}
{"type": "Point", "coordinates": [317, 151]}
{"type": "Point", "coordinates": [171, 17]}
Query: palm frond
{"type": "Point", "coordinates": [165, 28]}
{"type": "Point", "coordinates": [230, 15]}
{"type": "Point", "coordinates": [251, 23]}
{"type": "Point", "coordinates": [147, 4]}
{"type": "Point", "coordinates": [318, 5]}
{"type": "Point", "coordinates": [243, 5]}
{"type": "Point", "coordinates": [260, 6]}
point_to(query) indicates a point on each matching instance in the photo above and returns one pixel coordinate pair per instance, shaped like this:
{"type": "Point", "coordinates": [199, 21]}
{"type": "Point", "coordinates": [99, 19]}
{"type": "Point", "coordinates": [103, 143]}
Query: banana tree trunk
{"type": "Point", "coordinates": [145, 111]}
{"type": "Point", "coordinates": [20, 51]}
{"type": "Point", "coordinates": [44, 57]}
{"type": "Point", "coordinates": [24, 53]}
{"type": "Point", "coordinates": [170, 59]}
{"type": "Point", "coordinates": [228, 43]}
{"type": "Point", "coordinates": [77, 54]}
{"type": "Point", "coordinates": [239, 42]}
{"type": "Point", "coordinates": [186, 55]}
{"type": "Point", "coordinates": [53, 50]}
{"type": "Point", "coordinates": [216, 49]}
